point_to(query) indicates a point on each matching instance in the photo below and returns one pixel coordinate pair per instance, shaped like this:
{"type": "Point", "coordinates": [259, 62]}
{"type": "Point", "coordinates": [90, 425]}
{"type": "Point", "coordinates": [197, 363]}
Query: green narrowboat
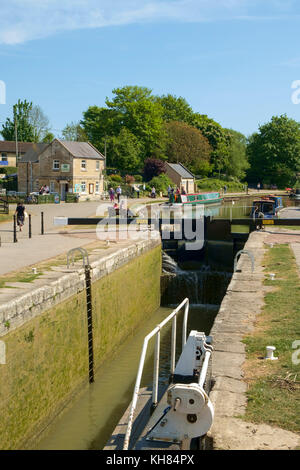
{"type": "Point", "coordinates": [197, 198]}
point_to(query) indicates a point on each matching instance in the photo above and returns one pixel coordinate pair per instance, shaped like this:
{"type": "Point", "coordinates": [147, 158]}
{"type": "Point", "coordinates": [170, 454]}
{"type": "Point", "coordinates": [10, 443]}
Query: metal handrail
{"type": "Point", "coordinates": [154, 332]}
{"type": "Point", "coordinates": [246, 252]}
{"type": "Point", "coordinates": [84, 253]}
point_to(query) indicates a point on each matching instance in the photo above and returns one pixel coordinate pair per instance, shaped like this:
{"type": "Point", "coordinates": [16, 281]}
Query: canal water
{"type": "Point", "coordinates": [89, 420]}
{"type": "Point", "coordinates": [87, 423]}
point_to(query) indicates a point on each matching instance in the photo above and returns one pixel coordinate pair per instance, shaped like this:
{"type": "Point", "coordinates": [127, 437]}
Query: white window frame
{"type": "Point", "coordinates": [83, 183]}
{"type": "Point", "coordinates": [83, 165]}
{"type": "Point", "coordinates": [52, 187]}
{"type": "Point", "coordinates": [97, 165]}
{"type": "Point", "coordinates": [4, 157]}
{"type": "Point", "coordinates": [97, 187]}
{"type": "Point", "coordinates": [56, 165]}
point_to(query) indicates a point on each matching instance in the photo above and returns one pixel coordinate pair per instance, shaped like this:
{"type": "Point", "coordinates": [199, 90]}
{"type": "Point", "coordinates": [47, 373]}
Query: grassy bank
{"type": "Point", "coordinates": [274, 386]}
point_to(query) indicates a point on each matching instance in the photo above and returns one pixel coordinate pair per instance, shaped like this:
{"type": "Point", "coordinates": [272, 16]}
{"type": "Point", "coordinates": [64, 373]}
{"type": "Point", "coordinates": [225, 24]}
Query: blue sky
{"type": "Point", "coordinates": [234, 60]}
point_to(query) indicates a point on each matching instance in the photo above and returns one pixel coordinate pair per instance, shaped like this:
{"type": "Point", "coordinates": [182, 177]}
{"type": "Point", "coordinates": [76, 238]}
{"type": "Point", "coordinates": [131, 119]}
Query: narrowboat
{"type": "Point", "coordinates": [195, 199]}
{"type": "Point", "coordinates": [267, 207]}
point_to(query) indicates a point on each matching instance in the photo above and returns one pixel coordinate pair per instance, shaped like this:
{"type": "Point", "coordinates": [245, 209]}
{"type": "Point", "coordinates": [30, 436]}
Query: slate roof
{"type": "Point", "coordinates": [181, 170]}
{"type": "Point", "coordinates": [82, 149]}
{"type": "Point", "coordinates": [33, 153]}
{"type": "Point", "coordinates": [10, 146]}
{"type": "Point", "coordinates": [76, 149]}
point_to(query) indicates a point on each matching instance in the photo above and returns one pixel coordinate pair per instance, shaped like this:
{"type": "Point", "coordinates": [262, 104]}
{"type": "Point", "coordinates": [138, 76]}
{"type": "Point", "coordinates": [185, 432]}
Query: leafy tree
{"type": "Point", "coordinates": [74, 132]}
{"type": "Point", "coordinates": [136, 109]}
{"type": "Point", "coordinates": [219, 140]}
{"type": "Point", "coordinates": [237, 160]}
{"type": "Point", "coordinates": [125, 152]}
{"type": "Point", "coordinates": [175, 109]}
{"type": "Point", "coordinates": [153, 167]}
{"type": "Point", "coordinates": [21, 116]}
{"type": "Point", "coordinates": [274, 152]}
{"type": "Point", "coordinates": [188, 146]}
{"type": "Point", "coordinates": [48, 137]}
{"type": "Point", "coordinates": [99, 124]}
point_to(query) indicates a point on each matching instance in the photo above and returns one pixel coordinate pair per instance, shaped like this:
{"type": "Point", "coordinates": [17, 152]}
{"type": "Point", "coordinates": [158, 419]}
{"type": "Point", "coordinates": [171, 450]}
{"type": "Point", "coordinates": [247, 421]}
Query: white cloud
{"type": "Point", "coordinates": [24, 20]}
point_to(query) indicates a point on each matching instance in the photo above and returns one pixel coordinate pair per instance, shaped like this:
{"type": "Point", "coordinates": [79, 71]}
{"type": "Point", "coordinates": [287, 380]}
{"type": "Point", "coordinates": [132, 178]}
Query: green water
{"type": "Point", "coordinates": [88, 421]}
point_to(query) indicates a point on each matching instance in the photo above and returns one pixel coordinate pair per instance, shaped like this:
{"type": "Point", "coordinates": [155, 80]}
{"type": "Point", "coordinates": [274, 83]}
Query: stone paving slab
{"type": "Point", "coordinates": [236, 317]}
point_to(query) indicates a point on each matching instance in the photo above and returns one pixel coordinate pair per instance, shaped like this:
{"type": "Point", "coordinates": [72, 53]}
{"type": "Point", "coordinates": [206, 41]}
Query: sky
{"type": "Point", "coordinates": [234, 60]}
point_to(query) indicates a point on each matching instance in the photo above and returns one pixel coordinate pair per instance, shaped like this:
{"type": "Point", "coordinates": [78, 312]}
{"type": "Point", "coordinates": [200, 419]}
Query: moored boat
{"type": "Point", "coordinates": [268, 207]}
{"type": "Point", "coordinates": [196, 198]}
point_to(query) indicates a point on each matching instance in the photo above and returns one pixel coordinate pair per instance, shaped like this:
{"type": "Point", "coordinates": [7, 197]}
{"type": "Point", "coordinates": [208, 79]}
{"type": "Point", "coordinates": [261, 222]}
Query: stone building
{"type": "Point", "coordinates": [63, 166]}
{"type": "Point", "coordinates": [181, 176]}
{"type": "Point", "coordinates": [8, 152]}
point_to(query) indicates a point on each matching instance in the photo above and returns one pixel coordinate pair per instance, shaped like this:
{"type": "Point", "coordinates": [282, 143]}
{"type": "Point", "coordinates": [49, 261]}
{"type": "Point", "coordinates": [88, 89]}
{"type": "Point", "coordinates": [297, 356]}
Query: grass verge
{"type": "Point", "coordinates": [274, 386]}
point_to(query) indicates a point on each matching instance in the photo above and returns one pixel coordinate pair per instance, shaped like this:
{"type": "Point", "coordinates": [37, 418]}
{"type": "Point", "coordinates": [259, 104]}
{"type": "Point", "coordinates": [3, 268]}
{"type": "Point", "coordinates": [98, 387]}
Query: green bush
{"type": "Point", "coordinates": [138, 178]}
{"type": "Point", "coordinates": [116, 178]}
{"type": "Point", "coordinates": [70, 197]}
{"type": "Point", "coordinates": [214, 184]}
{"type": "Point", "coordinates": [46, 198]}
{"type": "Point", "coordinates": [160, 183]}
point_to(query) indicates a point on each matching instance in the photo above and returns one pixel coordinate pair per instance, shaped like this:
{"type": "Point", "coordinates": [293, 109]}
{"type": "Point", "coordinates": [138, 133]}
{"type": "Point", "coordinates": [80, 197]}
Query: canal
{"type": "Point", "coordinates": [89, 420]}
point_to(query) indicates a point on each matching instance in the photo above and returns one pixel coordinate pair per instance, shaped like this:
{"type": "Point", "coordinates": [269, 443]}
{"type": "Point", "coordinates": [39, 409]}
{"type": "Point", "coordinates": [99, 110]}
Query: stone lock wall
{"type": "Point", "coordinates": [46, 342]}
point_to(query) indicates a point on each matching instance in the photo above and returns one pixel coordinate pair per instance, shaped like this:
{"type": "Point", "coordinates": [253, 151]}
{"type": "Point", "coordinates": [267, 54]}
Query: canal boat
{"type": "Point", "coordinates": [268, 207]}
{"type": "Point", "coordinates": [195, 199]}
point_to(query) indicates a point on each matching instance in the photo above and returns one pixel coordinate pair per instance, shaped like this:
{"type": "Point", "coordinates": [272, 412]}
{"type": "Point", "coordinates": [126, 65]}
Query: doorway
{"type": "Point", "coordinates": [64, 188]}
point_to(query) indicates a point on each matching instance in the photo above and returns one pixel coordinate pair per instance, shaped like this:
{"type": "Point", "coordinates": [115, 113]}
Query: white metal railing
{"type": "Point", "coordinates": [156, 331]}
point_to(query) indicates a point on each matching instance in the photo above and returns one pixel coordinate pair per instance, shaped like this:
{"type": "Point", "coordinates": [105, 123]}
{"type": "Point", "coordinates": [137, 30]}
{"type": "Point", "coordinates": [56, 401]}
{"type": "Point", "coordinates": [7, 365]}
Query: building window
{"type": "Point", "coordinates": [83, 186]}
{"type": "Point", "coordinates": [55, 164]}
{"type": "Point", "coordinates": [97, 187]}
{"type": "Point", "coordinates": [97, 166]}
{"type": "Point", "coordinates": [52, 186]}
{"type": "Point", "coordinates": [4, 157]}
{"type": "Point", "coordinates": [83, 164]}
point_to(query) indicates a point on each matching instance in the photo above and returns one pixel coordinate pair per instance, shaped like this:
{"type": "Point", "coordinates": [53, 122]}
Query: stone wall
{"type": "Point", "coordinates": [45, 334]}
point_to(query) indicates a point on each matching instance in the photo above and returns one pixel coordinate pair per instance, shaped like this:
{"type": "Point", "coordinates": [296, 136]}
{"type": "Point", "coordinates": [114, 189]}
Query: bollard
{"type": "Point", "coordinates": [29, 226]}
{"type": "Point", "coordinates": [42, 223]}
{"type": "Point", "coordinates": [15, 229]}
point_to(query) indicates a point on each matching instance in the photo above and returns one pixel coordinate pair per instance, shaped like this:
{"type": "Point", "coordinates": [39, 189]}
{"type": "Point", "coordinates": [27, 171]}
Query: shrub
{"type": "Point", "coordinates": [160, 183]}
{"type": "Point", "coordinates": [116, 178]}
{"type": "Point", "coordinates": [129, 179]}
{"type": "Point", "coordinates": [138, 178]}
{"type": "Point", "coordinates": [214, 184]}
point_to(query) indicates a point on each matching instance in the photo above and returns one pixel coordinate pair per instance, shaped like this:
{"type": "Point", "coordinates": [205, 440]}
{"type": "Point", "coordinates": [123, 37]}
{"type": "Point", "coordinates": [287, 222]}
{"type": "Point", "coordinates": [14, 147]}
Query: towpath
{"type": "Point", "coordinates": [56, 240]}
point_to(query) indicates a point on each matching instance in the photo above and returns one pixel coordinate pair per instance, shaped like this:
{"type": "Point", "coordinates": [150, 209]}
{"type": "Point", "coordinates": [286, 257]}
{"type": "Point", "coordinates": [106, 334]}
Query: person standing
{"type": "Point", "coordinates": [111, 194]}
{"type": "Point", "coordinates": [20, 213]}
{"type": "Point", "coordinates": [153, 193]}
{"type": "Point", "coordinates": [119, 192]}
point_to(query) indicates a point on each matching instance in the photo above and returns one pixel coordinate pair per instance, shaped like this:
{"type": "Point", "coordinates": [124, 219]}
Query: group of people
{"type": "Point", "coordinates": [44, 190]}
{"type": "Point", "coordinates": [115, 193]}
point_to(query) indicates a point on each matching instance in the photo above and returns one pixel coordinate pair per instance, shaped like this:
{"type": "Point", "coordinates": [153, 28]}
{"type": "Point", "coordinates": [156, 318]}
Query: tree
{"type": "Point", "coordinates": [153, 167]}
{"type": "Point", "coordinates": [21, 118]}
{"type": "Point", "coordinates": [274, 152]}
{"type": "Point", "coordinates": [175, 109]}
{"type": "Point", "coordinates": [188, 146]}
{"type": "Point", "coordinates": [219, 140]}
{"type": "Point", "coordinates": [40, 123]}
{"type": "Point", "coordinates": [48, 137]}
{"type": "Point", "coordinates": [74, 132]}
{"type": "Point", "coordinates": [136, 109]}
{"type": "Point", "coordinates": [124, 152]}
{"type": "Point", "coordinates": [237, 160]}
